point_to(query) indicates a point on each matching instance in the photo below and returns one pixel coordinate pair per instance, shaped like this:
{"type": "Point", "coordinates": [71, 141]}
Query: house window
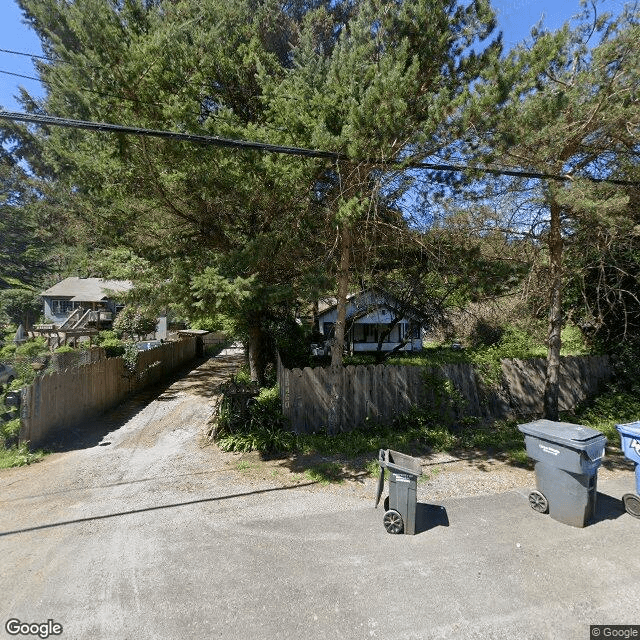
{"type": "Point", "coordinates": [62, 307]}
{"type": "Point", "coordinates": [329, 330]}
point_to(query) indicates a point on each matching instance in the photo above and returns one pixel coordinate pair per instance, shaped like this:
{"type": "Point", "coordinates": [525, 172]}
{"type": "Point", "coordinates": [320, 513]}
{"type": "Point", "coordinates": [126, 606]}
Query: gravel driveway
{"type": "Point", "coordinates": [144, 531]}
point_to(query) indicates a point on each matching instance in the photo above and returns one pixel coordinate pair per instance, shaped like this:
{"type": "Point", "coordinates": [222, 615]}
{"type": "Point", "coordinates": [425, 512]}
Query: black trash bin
{"type": "Point", "coordinates": [400, 504]}
{"type": "Point", "coordinates": [567, 460]}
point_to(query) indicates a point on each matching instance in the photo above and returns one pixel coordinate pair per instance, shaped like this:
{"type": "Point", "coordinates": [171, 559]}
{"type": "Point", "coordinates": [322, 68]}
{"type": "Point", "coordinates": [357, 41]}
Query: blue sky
{"type": "Point", "coordinates": [515, 19]}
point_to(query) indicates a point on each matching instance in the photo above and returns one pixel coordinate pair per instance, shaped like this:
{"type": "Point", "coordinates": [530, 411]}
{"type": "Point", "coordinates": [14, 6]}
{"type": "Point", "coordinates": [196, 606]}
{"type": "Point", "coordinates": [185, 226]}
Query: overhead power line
{"type": "Point", "coordinates": [271, 148]}
{"type": "Point", "coordinates": [169, 135]}
{"type": "Point", "coordinates": [26, 55]}
{"type": "Point", "coordinates": [20, 75]}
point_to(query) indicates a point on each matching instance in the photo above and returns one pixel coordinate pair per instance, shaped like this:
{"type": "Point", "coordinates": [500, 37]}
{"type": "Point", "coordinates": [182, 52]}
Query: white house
{"type": "Point", "coordinates": [371, 315]}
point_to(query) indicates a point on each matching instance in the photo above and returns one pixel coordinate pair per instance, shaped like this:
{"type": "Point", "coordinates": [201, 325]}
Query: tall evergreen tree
{"type": "Point", "coordinates": [569, 108]}
{"type": "Point", "coordinates": [222, 230]}
{"type": "Point", "coordinates": [375, 80]}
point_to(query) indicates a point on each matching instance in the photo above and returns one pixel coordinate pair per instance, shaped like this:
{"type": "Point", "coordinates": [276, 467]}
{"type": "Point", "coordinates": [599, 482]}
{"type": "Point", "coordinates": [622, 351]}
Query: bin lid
{"type": "Point", "coordinates": [630, 429]}
{"type": "Point", "coordinates": [399, 462]}
{"type": "Point", "coordinates": [576, 436]}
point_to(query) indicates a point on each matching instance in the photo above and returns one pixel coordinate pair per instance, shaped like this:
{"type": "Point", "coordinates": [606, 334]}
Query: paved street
{"type": "Point", "coordinates": [144, 532]}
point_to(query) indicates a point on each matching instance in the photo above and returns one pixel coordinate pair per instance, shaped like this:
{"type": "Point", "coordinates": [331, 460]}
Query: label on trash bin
{"type": "Point", "coordinates": [550, 450]}
{"type": "Point", "coordinates": [401, 477]}
{"type": "Point", "coordinates": [635, 445]}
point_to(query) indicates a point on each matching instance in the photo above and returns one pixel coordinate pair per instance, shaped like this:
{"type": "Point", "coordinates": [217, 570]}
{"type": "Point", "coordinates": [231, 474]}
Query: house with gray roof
{"type": "Point", "coordinates": [81, 295]}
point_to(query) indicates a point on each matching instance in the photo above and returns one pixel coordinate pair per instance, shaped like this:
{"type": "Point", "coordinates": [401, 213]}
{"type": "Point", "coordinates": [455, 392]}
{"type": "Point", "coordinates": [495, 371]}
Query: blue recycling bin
{"type": "Point", "coordinates": [630, 443]}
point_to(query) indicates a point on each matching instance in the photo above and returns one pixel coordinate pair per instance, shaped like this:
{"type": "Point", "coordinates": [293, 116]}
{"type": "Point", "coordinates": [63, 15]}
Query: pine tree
{"type": "Point", "coordinates": [569, 107]}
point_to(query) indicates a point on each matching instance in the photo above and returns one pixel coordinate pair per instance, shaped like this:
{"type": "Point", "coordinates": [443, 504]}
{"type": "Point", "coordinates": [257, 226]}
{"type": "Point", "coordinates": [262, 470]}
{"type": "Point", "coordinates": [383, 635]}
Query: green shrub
{"type": "Point", "coordinates": [19, 456]}
{"type": "Point", "coordinates": [10, 430]}
{"type": "Point", "coordinates": [243, 376]}
{"type": "Point", "coordinates": [573, 342]}
{"type": "Point", "coordinates": [31, 349]}
{"type": "Point", "coordinates": [7, 352]}
{"type": "Point", "coordinates": [113, 348]}
{"type": "Point", "coordinates": [64, 349]}
{"type": "Point", "coordinates": [262, 427]}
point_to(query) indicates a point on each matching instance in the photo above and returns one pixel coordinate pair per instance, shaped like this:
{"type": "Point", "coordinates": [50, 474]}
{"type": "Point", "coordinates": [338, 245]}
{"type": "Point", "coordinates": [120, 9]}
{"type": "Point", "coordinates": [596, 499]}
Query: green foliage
{"type": "Point", "coordinates": [325, 473]}
{"type": "Point", "coordinates": [417, 431]}
{"type": "Point", "coordinates": [19, 456]}
{"type": "Point", "coordinates": [292, 341]}
{"type": "Point", "coordinates": [134, 323]}
{"type": "Point", "coordinates": [573, 342]}
{"type": "Point", "coordinates": [64, 349]}
{"type": "Point", "coordinates": [262, 428]}
{"type": "Point", "coordinates": [20, 306]}
{"type": "Point", "coordinates": [608, 409]}
{"type": "Point", "coordinates": [109, 341]}
{"type": "Point", "coordinates": [9, 430]}
{"type": "Point", "coordinates": [22, 358]}
{"type": "Point", "coordinates": [31, 348]}
{"type": "Point", "coordinates": [243, 376]}
{"type": "Point", "coordinates": [113, 348]}
{"type": "Point", "coordinates": [130, 356]}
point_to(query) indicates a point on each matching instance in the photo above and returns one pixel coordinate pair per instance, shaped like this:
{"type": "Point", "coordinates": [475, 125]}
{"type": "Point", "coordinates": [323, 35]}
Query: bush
{"type": "Point", "coordinates": [18, 456]}
{"type": "Point", "coordinates": [64, 349]}
{"type": "Point", "coordinates": [113, 348]}
{"type": "Point", "coordinates": [261, 427]}
{"type": "Point", "coordinates": [112, 345]}
{"type": "Point", "coordinates": [9, 431]}
{"type": "Point", "coordinates": [32, 348]}
{"type": "Point", "coordinates": [133, 322]}
{"type": "Point", "coordinates": [607, 410]}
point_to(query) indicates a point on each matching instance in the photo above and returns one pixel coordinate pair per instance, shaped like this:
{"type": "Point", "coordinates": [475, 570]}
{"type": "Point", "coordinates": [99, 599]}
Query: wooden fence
{"type": "Point", "coordinates": [67, 398]}
{"type": "Point", "coordinates": [380, 392]}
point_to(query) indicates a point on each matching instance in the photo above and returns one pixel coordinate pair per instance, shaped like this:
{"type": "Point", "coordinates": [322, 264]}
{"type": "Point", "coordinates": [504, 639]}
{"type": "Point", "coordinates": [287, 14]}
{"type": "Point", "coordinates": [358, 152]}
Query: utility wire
{"type": "Point", "coordinates": [26, 55]}
{"type": "Point", "coordinates": [20, 75]}
{"type": "Point", "coordinates": [295, 151]}
{"type": "Point", "coordinates": [170, 135]}
{"type": "Point", "coordinates": [432, 167]}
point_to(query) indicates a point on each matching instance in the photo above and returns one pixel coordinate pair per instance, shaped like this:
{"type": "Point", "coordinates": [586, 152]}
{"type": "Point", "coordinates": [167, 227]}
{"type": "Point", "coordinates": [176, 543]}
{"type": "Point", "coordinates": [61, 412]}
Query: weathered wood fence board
{"type": "Point", "coordinates": [380, 392]}
{"type": "Point", "coordinates": [66, 398]}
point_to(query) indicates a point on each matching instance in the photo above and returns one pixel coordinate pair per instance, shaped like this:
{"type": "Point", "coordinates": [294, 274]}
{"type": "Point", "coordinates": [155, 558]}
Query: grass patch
{"type": "Point", "coordinates": [19, 456]}
{"type": "Point", "coordinates": [325, 473]}
{"type": "Point", "coordinates": [11, 453]}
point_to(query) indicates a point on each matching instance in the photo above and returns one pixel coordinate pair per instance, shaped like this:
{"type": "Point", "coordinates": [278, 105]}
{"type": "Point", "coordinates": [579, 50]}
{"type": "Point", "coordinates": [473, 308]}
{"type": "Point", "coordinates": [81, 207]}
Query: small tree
{"type": "Point", "coordinates": [134, 323]}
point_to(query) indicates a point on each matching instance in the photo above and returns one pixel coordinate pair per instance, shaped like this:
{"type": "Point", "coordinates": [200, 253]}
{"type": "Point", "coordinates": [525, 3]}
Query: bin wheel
{"type": "Point", "coordinates": [538, 502]}
{"type": "Point", "coordinates": [632, 504]}
{"type": "Point", "coordinates": [393, 522]}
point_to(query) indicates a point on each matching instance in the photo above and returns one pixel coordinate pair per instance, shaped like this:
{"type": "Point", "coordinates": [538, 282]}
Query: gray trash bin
{"type": "Point", "coordinates": [400, 505]}
{"type": "Point", "coordinates": [567, 460]}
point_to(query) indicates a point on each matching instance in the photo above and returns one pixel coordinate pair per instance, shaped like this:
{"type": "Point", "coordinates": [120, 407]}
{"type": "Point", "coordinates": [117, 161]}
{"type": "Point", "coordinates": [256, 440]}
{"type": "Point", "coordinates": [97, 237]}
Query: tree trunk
{"type": "Point", "coordinates": [256, 353]}
{"type": "Point", "coordinates": [552, 380]}
{"type": "Point", "coordinates": [335, 411]}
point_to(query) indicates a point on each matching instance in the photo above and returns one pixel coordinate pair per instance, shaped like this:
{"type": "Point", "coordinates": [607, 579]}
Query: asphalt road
{"type": "Point", "coordinates": [144, 533]}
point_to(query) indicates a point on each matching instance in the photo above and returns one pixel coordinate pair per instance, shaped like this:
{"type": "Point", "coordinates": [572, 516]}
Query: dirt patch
{"type": "Point", "coordinates": [444, 475]}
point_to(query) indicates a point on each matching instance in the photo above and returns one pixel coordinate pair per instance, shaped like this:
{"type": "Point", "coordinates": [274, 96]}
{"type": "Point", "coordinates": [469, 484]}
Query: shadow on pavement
{"type": "Point", "coordinates": [149, 509]}
{"type": "Point", "coordinates": [607, 508]}
{"type": "Point", "coordinates": [430, 516]}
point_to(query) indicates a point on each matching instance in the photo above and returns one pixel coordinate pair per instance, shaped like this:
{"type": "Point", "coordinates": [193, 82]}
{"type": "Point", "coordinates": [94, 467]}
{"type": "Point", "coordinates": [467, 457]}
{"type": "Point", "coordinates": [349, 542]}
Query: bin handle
{"type": "Point", "coordinates": [379, 487]}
